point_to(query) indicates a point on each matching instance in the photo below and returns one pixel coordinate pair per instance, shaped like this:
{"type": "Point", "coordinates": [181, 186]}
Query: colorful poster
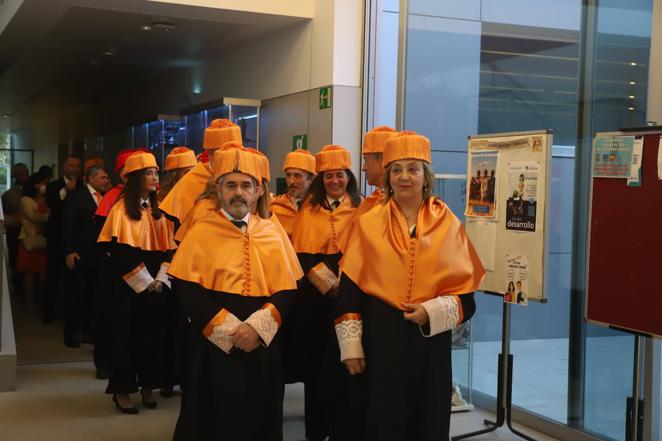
{"type": "Point", "coordinates": [517, 279]}
{"type": "Point", "coordinates": [635, 168]}
{"type": "Point", "coordinates": [521, 205]}
{"type": "Point", "coordinates": [612, 157]}
{"type": "Point", "coordinates": [482, 185]}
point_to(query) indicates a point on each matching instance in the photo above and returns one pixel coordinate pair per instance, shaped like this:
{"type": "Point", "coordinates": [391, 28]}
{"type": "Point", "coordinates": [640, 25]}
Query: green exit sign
{"type": "Point", "coordinates": [300, 142]}
{"type": "Point", "coordinates": [326, 100]}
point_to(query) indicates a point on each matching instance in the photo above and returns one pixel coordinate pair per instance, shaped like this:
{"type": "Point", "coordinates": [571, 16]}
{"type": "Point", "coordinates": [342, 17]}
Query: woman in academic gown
{"type": "Point", "coordinates": [312, 350]}
{"type": "Point", "coordinates": [139, 239]}
{"type": "Point", "coordinates": [408, 276]}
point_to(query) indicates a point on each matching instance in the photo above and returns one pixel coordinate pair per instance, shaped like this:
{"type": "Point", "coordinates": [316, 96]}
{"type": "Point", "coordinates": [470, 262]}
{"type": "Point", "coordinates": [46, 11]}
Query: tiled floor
{"type": "Point", "coordinates": [62, 401]}
{"type": "Point", "coordinates": [58, 399]}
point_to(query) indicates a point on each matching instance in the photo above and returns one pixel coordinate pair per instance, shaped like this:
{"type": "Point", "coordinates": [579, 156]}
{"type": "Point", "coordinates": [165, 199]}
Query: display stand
{"type": "Point", "coordinates": [504, 385]}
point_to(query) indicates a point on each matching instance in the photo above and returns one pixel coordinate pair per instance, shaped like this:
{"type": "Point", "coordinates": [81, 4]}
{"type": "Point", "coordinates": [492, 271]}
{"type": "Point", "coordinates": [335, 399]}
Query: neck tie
{"type": "Point", "coordinates": [239, 224]}
{"type": "Point", "coordinates": [335, 204]}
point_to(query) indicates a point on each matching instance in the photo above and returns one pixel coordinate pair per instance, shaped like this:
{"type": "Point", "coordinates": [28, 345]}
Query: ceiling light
{"type": "Point", "coordinates": [162, 26]}
{"type": "Point", "coordinates": [631, 97]}
{"type": "Point", "coordinates": [632, 83]}
{"type": "Point", "coordinates": [6, 115]}
{"type": "Point", "coordinates": [109, 52]}
{"type": "Point", "coordinates": [146, 28]}
{"type": "Point", "coordinates": [632, 63]}
{"type": "Point", "coordinates": [630, 108]}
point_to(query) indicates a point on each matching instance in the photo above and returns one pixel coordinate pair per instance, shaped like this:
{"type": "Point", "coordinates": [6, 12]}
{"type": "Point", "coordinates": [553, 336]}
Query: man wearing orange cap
{"type": "Point", "coordinates": [408, 276]}
{"type": "Point", "coordinates": [373, 150]}
{"type": "Point", "coordinates": [180, 201]}
{"type": "Point", "coordinates": [299, 168]}
{"type": "Point", "coordinates": [236, 274]}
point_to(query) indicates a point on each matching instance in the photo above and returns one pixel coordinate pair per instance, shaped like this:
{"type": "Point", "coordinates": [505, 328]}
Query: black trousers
{"type": "Point", "coordinates": [51, 294]}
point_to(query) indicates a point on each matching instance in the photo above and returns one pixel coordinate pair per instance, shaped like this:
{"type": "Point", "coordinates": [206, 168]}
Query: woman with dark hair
{"type": "Point", "coordinates": [408, 276]}
{"type": "Point", "coordinates": [140, 241]}
{"type": "Point", "coordinates": [311, 345]}
{"type": "Point", "coordinates": [510, 293]}
{"type": "Point", "coordinates": [32, 258]}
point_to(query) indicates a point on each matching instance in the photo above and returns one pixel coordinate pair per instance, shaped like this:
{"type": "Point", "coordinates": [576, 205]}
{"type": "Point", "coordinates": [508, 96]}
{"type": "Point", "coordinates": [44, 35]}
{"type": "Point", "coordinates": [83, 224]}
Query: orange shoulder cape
{"type": "Point", "coordinates": [218, 256]}
{"type": "Point", "coordinates": [364, 207]}
{"type": "Point", "coordinates": [108, 201]}
{"type": "Point", "coordinates": [148, 234]}
{"type": "Point", "coordinates": [201, 209]}
{"type": "Point", "coordinates": [386, 263]}
{"type": "Point", "coordinates": [181, 199]}
{"type": "Point", "coordinates": [283, 207]}
{"type": "Point", "coordinates": [318, 231]}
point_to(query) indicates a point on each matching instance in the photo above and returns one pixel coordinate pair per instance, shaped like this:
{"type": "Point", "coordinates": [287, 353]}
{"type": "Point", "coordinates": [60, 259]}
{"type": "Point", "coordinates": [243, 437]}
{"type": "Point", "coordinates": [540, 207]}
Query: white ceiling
{"type": "Point", "coordinates": [52, 52]}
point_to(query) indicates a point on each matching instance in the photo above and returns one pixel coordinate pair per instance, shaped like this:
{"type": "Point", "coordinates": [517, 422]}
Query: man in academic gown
{"type": "Point", "coordinates": [300, 169]}
{"type": "Point", "coordinates": [178, 204]}
{"type": "Point", "coordinates": [373, 150]}
{"type": "Point", "coordinates": [235, 273]}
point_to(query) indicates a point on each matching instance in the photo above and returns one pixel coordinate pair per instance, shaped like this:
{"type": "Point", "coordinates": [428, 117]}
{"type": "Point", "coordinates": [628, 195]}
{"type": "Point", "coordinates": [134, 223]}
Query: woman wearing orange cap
{"type": "Point", "coordinates": [332, 199]}
{"type": "Point", "coordinates": [139, 239]}
{"type": "Point", "coordinates": [408, 276]}
{"type": "Point", "coordinates": [179, 161]}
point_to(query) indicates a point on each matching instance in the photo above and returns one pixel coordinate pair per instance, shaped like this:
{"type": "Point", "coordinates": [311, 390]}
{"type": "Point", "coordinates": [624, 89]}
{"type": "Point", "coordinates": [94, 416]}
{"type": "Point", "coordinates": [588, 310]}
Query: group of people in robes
{"type": "Point", "coordinates": [232, 293]}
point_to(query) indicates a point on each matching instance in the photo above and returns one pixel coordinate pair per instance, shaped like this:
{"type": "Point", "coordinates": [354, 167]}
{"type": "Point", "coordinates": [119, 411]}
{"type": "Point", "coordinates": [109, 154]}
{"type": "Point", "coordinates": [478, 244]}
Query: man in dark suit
{"type": "Point", "coordinates": [82, 257]}
{"type": "Point", "coordinates": [56, 191]}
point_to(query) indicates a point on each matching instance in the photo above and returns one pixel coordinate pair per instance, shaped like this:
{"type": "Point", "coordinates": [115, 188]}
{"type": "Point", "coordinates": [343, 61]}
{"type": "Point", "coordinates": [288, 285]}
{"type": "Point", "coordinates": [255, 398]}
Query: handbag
{"type": "Point", "coordinates": [36, 242]}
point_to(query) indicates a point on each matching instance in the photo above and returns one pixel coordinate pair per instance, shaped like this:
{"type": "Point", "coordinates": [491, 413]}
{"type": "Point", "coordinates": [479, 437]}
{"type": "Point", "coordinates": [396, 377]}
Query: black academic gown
{"type": "Point", "coordinates": [236, 396]}
{"type": "Point", "coordinates": [408, 381]}
{"type": "Point", "coordinates": [139, 324]}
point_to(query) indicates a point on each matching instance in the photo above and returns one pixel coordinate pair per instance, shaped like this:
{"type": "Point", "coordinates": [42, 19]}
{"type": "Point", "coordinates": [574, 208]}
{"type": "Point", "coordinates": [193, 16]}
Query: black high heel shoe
{"type": "Point", "coordinates": [148, 404]}
{"type": "Point", "coordinates": [127, 410]}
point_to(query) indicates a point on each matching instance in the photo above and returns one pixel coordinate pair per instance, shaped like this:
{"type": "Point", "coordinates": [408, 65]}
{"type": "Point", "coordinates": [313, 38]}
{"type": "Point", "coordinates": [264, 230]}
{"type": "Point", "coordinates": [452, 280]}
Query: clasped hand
{"type": "Point", "coordinates": [245, 338]}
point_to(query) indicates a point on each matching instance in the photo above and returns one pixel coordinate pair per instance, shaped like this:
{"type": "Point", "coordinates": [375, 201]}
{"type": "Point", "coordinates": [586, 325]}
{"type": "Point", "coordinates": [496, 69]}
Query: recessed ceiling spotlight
{"type": "Point", "coordinates": [165, 26]}
{"type": "Point", "coordinates": [6, 115]}
{"type": "Point", "coordinates": [632, 83]}
{"type": "Point", "coordinates": [632, 63]}
{"type": "Point", "coordinates": [630, 108]}
{"type": "Point", "coordinates": [146, 28]}
{"type": "Point", "coordinates": [109, 52]}
{"type": "Point", "coordinates": [631, 97]}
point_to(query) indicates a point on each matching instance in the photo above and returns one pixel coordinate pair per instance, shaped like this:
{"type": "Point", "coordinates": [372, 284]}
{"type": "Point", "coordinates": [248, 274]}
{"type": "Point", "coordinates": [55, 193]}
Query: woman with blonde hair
{"type": "Point", "coordinates": [408, 276]}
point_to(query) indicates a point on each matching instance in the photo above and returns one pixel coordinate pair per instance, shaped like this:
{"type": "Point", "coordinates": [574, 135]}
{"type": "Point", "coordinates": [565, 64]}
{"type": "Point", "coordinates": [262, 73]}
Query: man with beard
{"type": "Point", "coordinates": [299, 168]}
{"type": "Point", "coordinates": [236, 275]}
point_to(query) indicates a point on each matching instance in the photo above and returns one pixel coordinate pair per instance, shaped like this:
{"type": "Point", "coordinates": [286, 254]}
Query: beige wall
{"type": "Point", "coordinates": [296, 8]}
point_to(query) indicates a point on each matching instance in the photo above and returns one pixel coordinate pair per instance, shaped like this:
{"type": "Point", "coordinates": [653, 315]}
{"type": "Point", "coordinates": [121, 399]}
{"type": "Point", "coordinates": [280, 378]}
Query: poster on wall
{"type": "Point", "coordinates": [612, 156]}
{"type": "Point", "coordinates": [517, 279]}
{"type": "Point", "coordinates": [482, 185]}
{"type": "Point", "coordinates": [522, 202]}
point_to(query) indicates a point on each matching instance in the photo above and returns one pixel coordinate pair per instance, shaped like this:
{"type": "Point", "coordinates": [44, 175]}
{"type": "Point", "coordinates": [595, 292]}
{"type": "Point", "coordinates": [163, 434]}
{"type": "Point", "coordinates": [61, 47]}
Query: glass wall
{"type": "Point", "coordinates": [494, 66]}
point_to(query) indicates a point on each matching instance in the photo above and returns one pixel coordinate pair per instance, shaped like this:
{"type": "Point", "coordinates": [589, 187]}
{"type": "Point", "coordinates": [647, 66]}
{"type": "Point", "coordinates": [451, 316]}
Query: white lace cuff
{"type": "Point", "coordinates": [138, 278]}
{"type": "Point", "coordinates": [444, 313]}
{"type": "Point", "coordinates": [349, 333]}
{"type": "Point", "coordinates": [266, 322]}
{"type": "Point", "coordinates": [218, 330]}
{"type": "Point", "coordinates": [322, 277]}
{"type": "Point", "coordinates": [162, 275]}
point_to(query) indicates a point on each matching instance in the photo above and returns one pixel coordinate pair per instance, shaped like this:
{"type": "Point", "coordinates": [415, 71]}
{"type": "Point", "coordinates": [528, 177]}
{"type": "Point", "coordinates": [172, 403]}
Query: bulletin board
{"type": "Point", "coordinates": [506, 207]}
{"type": "Point", "coordinates": [625, 236]}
